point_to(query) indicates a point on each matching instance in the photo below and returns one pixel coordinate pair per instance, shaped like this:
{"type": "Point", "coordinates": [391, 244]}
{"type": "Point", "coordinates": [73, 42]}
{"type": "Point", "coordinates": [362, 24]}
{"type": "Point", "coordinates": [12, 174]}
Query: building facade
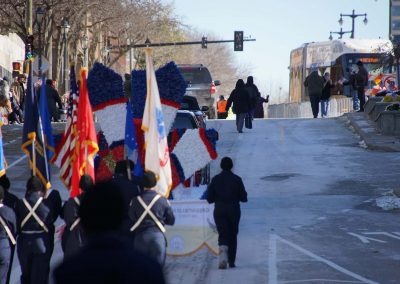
{"type": "Point", "coordinates": [394, 28]}
{"type": "Point", "coordinates": [12, 49]}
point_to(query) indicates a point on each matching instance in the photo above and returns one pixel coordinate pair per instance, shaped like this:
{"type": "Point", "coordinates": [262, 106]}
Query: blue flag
{"type": "Point", "coordinates": [131, 141]}
{"type": "Point", "coordinates": [46, 132]}
{"type": "Point", "coordinates": [32, 144]}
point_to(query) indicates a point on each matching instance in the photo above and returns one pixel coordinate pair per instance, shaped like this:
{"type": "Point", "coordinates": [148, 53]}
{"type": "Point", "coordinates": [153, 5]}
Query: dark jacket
{"type": "Point", "coordinates": [254, 94]}
{"type": "Point", "coordinates": [43, 212]}
{"type": "Point", "coordinates": [361, 77]}
{"type": "Point", "coordinates": [326, 91]}
{"type": "Point", "coordinates": [8, 215]}
{"type": "Point", "coordinates": [108, 259]}
{"type": "Point", "coordinates": [53, 98]}
{"type": "Point", "coordinates": [226, 190]}
{"type": "Point", "coordinates": [10, 200]}
{"type": "Point", "coordinates": [259, 109]}
{"type": "Point", "coordinates": [314, 83]}
{"type": "Point", "coordinates": [72, 240]}
{"type": "Point", "coordinates": [240, 100]}
{"type": "Point", "coordinates": [161, 209]}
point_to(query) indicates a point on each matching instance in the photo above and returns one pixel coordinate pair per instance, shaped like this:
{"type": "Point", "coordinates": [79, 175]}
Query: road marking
{"type": "Point", "coordinates": [383, 234]}
{"type": "Point", "coordinates": [365, 240]}
{"type": "Point", "coordinates": [272, 265]}
{"type": "Point", "coordinates": [12, 141]}
{"type": "Point", "coordinates": [16, 162]}
{"type": "Point", "coordinates": [327, 262]}
{"type": "Point", "coordinates": [320, 281]}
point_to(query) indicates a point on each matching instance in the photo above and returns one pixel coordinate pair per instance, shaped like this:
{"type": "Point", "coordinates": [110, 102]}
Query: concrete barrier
{"type": "Point", "coordinates": [388, 122]}
{"type": "Point", "coordinates": [377, 109]}
{"type": "Point", "coordinates": [369, 106]}
{"type": "Point", "coordinates": [337, 107]}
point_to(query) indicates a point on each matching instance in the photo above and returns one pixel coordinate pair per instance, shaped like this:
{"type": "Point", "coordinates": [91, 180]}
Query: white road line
{"type": "Point", "coordinates": [320, 281]}
{"type": "Point", "coordinates": [365, 240]}
{"type": "Point", "coordinates": [272, 265]}
{"type": "Point", "coordinates": [383, 234]}
{"type": "Point", "coordinates": [327, 262]}
{"type": "Point", "coordinates": [16, 162]}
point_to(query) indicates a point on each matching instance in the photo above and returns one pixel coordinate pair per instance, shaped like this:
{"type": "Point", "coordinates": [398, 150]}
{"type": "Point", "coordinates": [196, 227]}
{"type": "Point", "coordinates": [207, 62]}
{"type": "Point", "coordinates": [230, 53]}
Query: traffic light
{"type": "Point", "coordinates": [238, 41]}
{"type": "Point", "coordinates": [204, 42]}
{"type": "Point", "coordinates": [29, 47]}
{"type": "Point", "coordinates": [17, 68]}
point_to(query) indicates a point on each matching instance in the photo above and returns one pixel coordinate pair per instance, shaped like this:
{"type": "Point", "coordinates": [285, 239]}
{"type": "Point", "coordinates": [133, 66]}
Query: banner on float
{"type": "Point", "coordinates": [194, 228]}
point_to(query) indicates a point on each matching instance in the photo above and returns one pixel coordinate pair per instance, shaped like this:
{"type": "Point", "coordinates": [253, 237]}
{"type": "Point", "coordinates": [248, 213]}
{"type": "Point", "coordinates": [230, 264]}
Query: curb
{"type": "Point", "coordinates": [372, 138]}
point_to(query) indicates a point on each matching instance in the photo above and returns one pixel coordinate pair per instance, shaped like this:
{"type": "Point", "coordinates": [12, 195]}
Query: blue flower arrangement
{"type": "Point", "coordinates": [104, 85]}
{"type": "Point", "coordinates": [171, 85]}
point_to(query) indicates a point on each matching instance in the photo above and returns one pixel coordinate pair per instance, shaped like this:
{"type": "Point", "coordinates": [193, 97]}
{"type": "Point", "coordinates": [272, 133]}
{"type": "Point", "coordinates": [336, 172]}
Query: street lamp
{"type": "Point", "coordinates": [64, 30]}
{"type": "Point", "coordinates": [353, 16]}
{"type": "Point", "coordinates": [39, 20]}
{"type": "Point", "coordinates": [341, 33]}
{"type": "Point", "coordinates": [85, 47]}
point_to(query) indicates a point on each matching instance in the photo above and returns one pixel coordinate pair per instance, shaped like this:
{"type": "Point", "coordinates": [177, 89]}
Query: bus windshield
{"type": "Point", "coordinates": [372, 62]}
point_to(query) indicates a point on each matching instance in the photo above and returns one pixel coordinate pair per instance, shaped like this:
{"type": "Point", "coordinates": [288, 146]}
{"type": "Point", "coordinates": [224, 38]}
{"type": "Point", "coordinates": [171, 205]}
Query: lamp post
{"type": "Point", "coordinates": [85, 47]}
{"type": "Point", "coordinates": [39, 20]}
{"type": "Point", "coordinates": [353, 16]}
{"type": "Point", "coordinates": [341, 33]}
{"type": "Point", "coordinates": [65, 29]}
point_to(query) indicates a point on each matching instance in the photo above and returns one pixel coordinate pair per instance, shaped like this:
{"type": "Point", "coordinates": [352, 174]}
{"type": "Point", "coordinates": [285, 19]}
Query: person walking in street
{"type": "Point", "coordinates": [259, 109]}
{"type": "Point", "coordinates": [34, 217]}
{"type": "Point", "coordinates": [361, 82]}
{"type": "Point", "coordinates": [108, 256]}
{"type": "Point", "coordinates": [241, 104]}
{"type": "Point", "coordinates": [53, 99]}
{"type": "Point", "coordinates": [326, 94]}
{"type": "Point", "coordinates": [150, 212]}
{"type": "Point", "coordinates": [8, 228]}
{"type": "Point", "coordinates": [221, 108]}
{"type": "Point", "coordinates": [254, 94]}
{"type": "Point", "coordinates": [314, 84]}
{"type": "Point", "coordinates": [73, 237]}
{"type": "Point", "coordinates": [227, 190]}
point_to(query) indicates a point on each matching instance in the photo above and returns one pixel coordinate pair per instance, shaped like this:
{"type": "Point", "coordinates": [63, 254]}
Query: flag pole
{"type": "Point", "coordinates": [86, 159]}
{"type": "Point", "coordinates": [34, 157]}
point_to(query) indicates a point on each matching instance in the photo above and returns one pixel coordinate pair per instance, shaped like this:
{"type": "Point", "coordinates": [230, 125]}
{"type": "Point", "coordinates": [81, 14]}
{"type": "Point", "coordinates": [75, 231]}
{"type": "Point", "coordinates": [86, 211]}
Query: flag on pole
{"type": "Point", "coordinates": [86, 143]}
{"type": "Point", "coordinates": [46, 132]}
{"type": "Point", "coordinates": [3, 164]}
{"type": "Point", "coordinates": [157, 157]}
{"type": "Point", "coordinates": [131, 141]}
{"type": "Point", "coordinates": [32, 144]}
{"type": "Point", "coordinates": [63, 156]}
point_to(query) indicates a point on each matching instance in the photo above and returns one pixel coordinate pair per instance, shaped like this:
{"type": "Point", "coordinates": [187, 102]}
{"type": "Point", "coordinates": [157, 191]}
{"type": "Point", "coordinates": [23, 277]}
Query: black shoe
{"type": "Point", "coordinates": [240, 131]}
{"type": "Point", "coordinates": [232, 265]}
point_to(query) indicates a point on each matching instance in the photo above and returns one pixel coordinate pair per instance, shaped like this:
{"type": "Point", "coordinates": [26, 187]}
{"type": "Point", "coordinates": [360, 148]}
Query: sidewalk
{"type": "Point", "coordinates": [371, 136]}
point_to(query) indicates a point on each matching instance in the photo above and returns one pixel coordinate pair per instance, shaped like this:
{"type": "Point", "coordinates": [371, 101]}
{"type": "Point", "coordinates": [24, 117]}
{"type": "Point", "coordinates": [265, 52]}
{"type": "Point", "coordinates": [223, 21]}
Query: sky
{"type": "Point", "coordinates": [280, 26]}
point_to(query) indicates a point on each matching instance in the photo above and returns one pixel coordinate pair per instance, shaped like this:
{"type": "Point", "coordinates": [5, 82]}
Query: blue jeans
{"type": "Point", "coordinates": [324, 107]}
{"type": "Point", "coordinates": [356, 102]}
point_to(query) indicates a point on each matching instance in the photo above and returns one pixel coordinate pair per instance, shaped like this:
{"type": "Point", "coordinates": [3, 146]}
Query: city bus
{"type": "Point", "coordinates": [335, 57]}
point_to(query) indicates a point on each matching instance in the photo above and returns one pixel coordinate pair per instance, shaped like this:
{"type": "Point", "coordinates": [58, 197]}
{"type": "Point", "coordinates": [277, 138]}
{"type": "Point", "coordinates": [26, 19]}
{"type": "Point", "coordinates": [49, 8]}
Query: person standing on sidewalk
{"type": "Point", "coordinates": [361, 83]}
{"type": "Point", "coordinates": [221, 108]}
{"type": "Point", "coordinates": [254, 94]}
{"type": "Point", "coordinates": [314, 84]}
{"type": "Point", "coordinates": [241, 104]}
{"type": "Point", "coordinates": [227, 190]}
{"type": "Point", "coordinates": [326, 94]}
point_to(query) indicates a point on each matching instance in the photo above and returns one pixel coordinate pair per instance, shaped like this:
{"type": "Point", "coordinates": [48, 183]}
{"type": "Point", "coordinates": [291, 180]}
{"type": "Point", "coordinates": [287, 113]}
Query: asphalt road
{"type": "Point", "coordinates": [310, 216]}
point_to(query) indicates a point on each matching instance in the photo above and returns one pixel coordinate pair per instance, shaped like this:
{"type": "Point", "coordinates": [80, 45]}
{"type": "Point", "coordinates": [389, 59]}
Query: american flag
{"type": "Point", "coordinates": [64, 155]}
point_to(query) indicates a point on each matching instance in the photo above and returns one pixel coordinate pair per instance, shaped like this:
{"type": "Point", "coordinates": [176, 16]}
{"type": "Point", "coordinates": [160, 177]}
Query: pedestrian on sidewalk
{"type": "Point", "coordinates": [361, 83]}
{"type": "Point", "coordinates": [108, 256]}
{"type": "Point", "coordinates": [259, 110]}
{"type": "Point", "coordinates": [314, 84]}
{"type": "Point", "coordinates": [326, 94]}
{"type": "Point", "coordinates": [221, 108]}
{"type": "Point", "coordinates": [241, 104]}
{"type": "Point", "coordinates": [227, 190]}
{"type": "Point", "coordinates": [351, 82]}
{"type": "Point", "coordinates": [150, 212]}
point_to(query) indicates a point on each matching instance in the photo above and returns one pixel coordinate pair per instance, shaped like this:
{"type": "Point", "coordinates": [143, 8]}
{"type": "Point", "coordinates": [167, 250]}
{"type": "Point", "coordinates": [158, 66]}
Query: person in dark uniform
{"type": "Point", "coordinates": [149, 231]}
{"type": "Point", "coordinates": [227, 190]}
{"type": "Point", "coordinates": [8, 228]}
{"type": "Point", "coordinates": [73, 237]}
{"type": "Point", "coordinates": [53, 99]}
{"type": "Point", "coordinates": [10, 199]}
{"type": "Point", "coordinates": [108, 256]}
{"type": "Point", "coordinates": [128, 186]}
{"type": "Point", "coordinates": [34, 219]}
